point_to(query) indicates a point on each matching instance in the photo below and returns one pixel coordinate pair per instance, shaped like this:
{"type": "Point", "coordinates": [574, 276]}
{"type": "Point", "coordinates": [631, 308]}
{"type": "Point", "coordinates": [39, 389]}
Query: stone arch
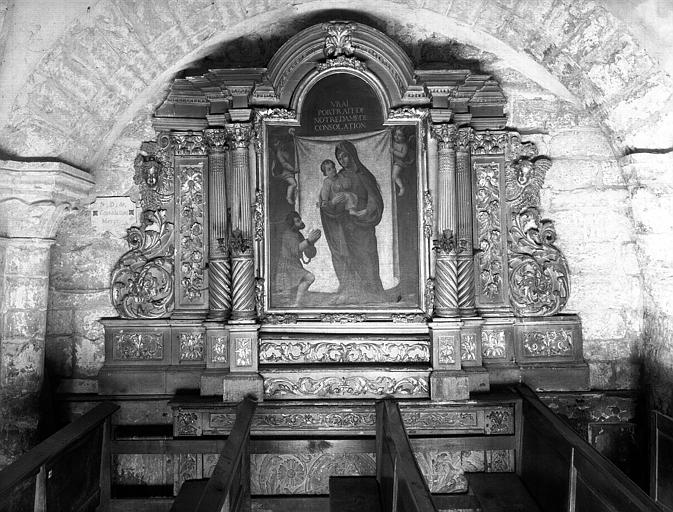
{"type": "Point", "coordinates": [122, 56]}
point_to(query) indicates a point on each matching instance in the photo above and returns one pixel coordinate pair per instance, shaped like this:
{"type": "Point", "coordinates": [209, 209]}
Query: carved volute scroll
{"type": "Point", "coordinates": [539, 282]}
{"type": "Point", "coordinates": [142, 280]}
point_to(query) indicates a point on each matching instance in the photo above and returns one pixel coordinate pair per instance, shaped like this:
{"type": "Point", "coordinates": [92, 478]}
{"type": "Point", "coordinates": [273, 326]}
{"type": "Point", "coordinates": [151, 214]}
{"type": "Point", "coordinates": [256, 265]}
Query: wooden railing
{"type": "Point", "coordinates": [563, 472]}
{"type": "Point", "coordinates": [70, 470]}
{"type": "Point", "coordinates": [401, 483]}
{"type": "Point", "coordinates": [228, 489]}
{"type": "Point", "coordinates": [661, 461]}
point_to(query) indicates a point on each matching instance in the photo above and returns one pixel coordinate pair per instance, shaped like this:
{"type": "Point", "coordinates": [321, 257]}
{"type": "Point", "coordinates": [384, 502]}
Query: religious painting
{"type": "Point", "coordinates": [342, 205]}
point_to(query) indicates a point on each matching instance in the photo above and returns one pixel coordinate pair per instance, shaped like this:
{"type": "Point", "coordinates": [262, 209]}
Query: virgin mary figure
{"type": "Point", "coordinates": [351, 234]}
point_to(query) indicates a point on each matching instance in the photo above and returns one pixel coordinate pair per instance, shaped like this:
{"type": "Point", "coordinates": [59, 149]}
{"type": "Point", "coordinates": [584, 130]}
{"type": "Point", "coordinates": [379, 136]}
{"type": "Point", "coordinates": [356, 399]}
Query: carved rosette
{"type": "Point", "coordinates": [191, 231]}
{"type": "Point", "coordinates": [142, 280]}
{"type": "Point", "coordinates": [489, 228]}
{"type": "Point", "coordinates": [154, 173]}
{"type": "Point", "coordinates": [538, 271]}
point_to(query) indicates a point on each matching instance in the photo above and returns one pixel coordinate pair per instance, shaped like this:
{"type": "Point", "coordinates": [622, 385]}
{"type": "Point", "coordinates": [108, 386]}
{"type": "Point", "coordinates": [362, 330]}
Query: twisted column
{"type": "Point", "coordinates": [446, 280]}
{"type": "Point", "coordinates": [243, 267]}
{"type": "Point", "coordinates": [466, 301]}
{"type": "Point", "coordinates": [219, 264]}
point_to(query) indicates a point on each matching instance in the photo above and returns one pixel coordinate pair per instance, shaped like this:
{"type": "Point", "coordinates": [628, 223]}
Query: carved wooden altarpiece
{"type": "Point", "coordinates": [433, 274]}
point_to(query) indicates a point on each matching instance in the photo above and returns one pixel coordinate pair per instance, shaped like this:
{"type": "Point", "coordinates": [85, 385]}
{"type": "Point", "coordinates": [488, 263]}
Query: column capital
{"type": "Point", "coordinates": [445, 134]}
{"type": "Point", "coordinates": [239, 135]}
{"type": "Point", "coordinates": [36, 196]}
{"type": "Point", "coordinates": [216, 138]}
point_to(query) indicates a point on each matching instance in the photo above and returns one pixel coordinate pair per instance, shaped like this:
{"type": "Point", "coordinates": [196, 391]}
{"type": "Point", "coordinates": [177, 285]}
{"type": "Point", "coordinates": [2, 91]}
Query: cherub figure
{"type": "Point", "coordinates": [283, 168]}
{"type": "Point", "coordinates": [334, 193]}
{"type": "Point", "coordinates": [400, 158]}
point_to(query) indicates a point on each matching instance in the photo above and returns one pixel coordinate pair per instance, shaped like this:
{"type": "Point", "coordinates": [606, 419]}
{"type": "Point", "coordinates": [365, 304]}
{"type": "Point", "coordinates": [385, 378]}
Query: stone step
{"type": "Point", "coordinates": [345, 382]}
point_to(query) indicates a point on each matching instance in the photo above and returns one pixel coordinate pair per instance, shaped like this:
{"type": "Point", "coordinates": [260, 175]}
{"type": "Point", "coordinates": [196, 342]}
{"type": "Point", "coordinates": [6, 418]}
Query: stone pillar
{"type": "Point", "coordinates": [446, 267]}
{"type": "Point", "coordinates": [219, 264]}
{"type": "Point", "coordinates": [466, 301]}
{"type": "Point", "coordinates": [34, 199]}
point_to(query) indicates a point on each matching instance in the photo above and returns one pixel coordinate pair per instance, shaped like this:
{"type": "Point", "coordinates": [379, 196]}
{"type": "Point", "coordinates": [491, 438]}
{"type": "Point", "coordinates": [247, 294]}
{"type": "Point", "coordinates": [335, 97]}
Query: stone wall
{"type": "Point", "coordinates": [578, 82]}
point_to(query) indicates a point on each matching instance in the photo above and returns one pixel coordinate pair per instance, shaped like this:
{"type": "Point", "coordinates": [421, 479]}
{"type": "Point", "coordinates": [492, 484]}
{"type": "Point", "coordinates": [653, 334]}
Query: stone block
{"type": "Point", "coordinates": [581, 143]}
{"type": "Point", "coordinates": [85, 265]}
{"type": "Point", "coordinates": [652, 211]}
{"type": "Point", "coordinates": [617, 374]}
{"type": "Point", "coordinates": [478, 379]}
{"type": "Point", "coordinates": [236, 386]}
{"type": "Point", "coordinates": [59, 355]}
{"type": "Point", "coordinates": [571, 377]}
{"type": "Point", "coordinates": [573, 174]}
{"type": "Point", "coordinates": [607, 349]}
{"type": "Point", "coordinates": [649, 169]}
{"type": "Point", "coordinates": [27, 258]}
{"type": "Point", "coordinates": [449, 385]}
{"type": "Point", "coordinates": [25, 324]}
{"type": "Point", "coordinates": [88, 356]}
{"type": "Point", "coordinates": [59, 321]}
{"type": "Point", "coordinates": [26, 292]}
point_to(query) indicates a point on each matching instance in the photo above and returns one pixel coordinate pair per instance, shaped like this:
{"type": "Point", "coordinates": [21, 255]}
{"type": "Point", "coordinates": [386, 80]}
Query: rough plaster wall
{"type": "Point", "coordinates": [121, 57]}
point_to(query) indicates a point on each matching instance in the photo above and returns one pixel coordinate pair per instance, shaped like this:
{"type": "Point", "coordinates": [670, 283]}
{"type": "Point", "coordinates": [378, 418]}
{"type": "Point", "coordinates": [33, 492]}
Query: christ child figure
{"type": "Point", "coordinates": [400, 158]}
{"type": "Point", "coordinates": [284, 169]}
{"type": "Point", "coordinates": [333, 192]}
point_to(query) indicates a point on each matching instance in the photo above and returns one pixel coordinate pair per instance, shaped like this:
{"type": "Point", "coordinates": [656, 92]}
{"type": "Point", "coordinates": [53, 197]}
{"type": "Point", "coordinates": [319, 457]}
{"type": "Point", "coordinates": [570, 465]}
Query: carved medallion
{"type": "Point", "coordinates": [538, 271]}
{"type": "Point", "coordinates": [142, 280]}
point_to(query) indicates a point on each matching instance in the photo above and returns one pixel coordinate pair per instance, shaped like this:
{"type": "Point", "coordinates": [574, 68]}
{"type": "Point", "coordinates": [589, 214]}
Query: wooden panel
{"type": "Point", "coordinates": [20, 497]}
{"type": "Point", "coordinates": [661, 470]}
{"type": "Point", "coordinates": [352, 494]}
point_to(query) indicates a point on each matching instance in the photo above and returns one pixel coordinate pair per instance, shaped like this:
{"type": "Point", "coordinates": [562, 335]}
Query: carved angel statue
{"type": "Point", "coordinates": [524, 178]}
{"type": "Point", "coordinates": [338, 39]}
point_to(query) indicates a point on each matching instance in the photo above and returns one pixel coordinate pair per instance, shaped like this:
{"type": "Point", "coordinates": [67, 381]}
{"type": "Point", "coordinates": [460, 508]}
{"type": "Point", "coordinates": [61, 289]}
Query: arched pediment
{"type": "Point", "coordinates": [339, 45]}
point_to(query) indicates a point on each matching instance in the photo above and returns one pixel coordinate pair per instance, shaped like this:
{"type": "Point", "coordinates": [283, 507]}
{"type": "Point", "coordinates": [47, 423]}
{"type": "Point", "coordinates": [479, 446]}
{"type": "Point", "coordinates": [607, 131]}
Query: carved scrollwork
{"type": "Point", "coordinates": [189, 143]}
{"type": "Point", "coordinates": [294, 351]}
{"type": "Point", "coordinates": [154, 174]}
{"type": "Point", "coordinates": [408, 318]}
{"type": "Point", "coordinates": [489, 143]}
{"type": "Point", "coordinates": [523, 180]}
{"type": "Point", "coordinates": [259, 296]}
{"type": "Point", "coordinates": [429, 296]}
{"type": "Point", "coordinates": [538, 271]}
{"type": "Point", "coordinates": [428, 214]}
{"type": "Point", "coordinates": [342, 318]}
{"type": "Point", "coordinates": [345, 386]}
{"type": "Point", "coordinates": [338, 39]}
{"type": "Point", "coordinates": [408, 113]}
{"type": "Point", "coordinates": [191, 231]}
{"type": "Point", "coordinates": [342, 62]}
{"type": "Point", "coordinates": [287, 318]}
{"type": "Point", "coordinates": [487, 205]}
{"type": "Point", "coordinates": [142, 280]}
{"type": "Point", "coordinates": [259, 215]}
{"type": "Point", "coordinates": [275, 113]}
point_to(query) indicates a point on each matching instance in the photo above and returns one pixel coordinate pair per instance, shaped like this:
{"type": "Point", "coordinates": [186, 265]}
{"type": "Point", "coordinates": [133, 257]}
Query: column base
{"type": "Point", "coordinates": [449, 385]}
{"type": "Point", "coordinates": [236, 386]}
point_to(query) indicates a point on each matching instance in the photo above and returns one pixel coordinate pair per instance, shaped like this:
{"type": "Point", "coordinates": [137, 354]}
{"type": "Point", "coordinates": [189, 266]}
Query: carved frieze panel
{"type": "Point", "coordinates": [191, 180]}
{"type": "Point", "coordinates": [373, 384]}
{"type": "Point", "coordinates": [430, 419]}
{"type": "Point", "coordinates": [489, 231]}
{"type": "Point", "coordinates": [538, 271]}
{"type": "Point", "coordinates": [189, 143]}
{"type": "Point", "coordinates": [499, 421]}
{"type": "Point", "coordinates": [218, 347]}
{"type": "Point", "coordinates": [443, 470]}
{"type": "Point", "coordinates": [243, 351]}
{"type": "Point", "coordinates": [187, 424]}
{"type": "Point", "coordinates": [296, 351]}
{"type": "Point", "coordinates": [305, 473]}
{"type": "Point", "coordinates": [139, 346]}
{"type": "Point", "coordinates": [447, 351]}
{"type": "Point", "coordinates": [191, 346]}
{"type": "Point", "coordinates": [548, 343]}
{"type": "Point", "coordinates": [142, 280]}
{"type": "Point", "coordinates": [221, 423]}
{"type": "Point", "coordinates": [489, 143]}
{"type": "Point", "coordinates": [188, 466]}
{"type": "Point", "coordinates": [500, 461]}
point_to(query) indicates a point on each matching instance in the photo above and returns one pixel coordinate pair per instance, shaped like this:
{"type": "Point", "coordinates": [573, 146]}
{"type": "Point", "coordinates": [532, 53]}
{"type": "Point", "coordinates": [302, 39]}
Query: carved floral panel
{"type": "Point", "coordinates": [489, 231]}
{"type": "Point", "coordinates": [293, 351]}
{"type": "Point", "coordinates": [191, 346]}
{"type": "Point", "coordinates": [138, 346]}
{"type": "Point", "coordinates": [218, 349]}
{"type": "Point", "coordinates": [191, 213]}
{"type": "Point", "coordinates": [446, 349]}
{"type": "Point", "coordinates": [548, 343]}
{"type": "Point", "coordinates": [493, 344]}
{"type": "Point", "coordinates": [468, 347]}
{"type": "Point", "coordinates": [243, 351]}
{"type": "Point", "coordinates": [370, 386]}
